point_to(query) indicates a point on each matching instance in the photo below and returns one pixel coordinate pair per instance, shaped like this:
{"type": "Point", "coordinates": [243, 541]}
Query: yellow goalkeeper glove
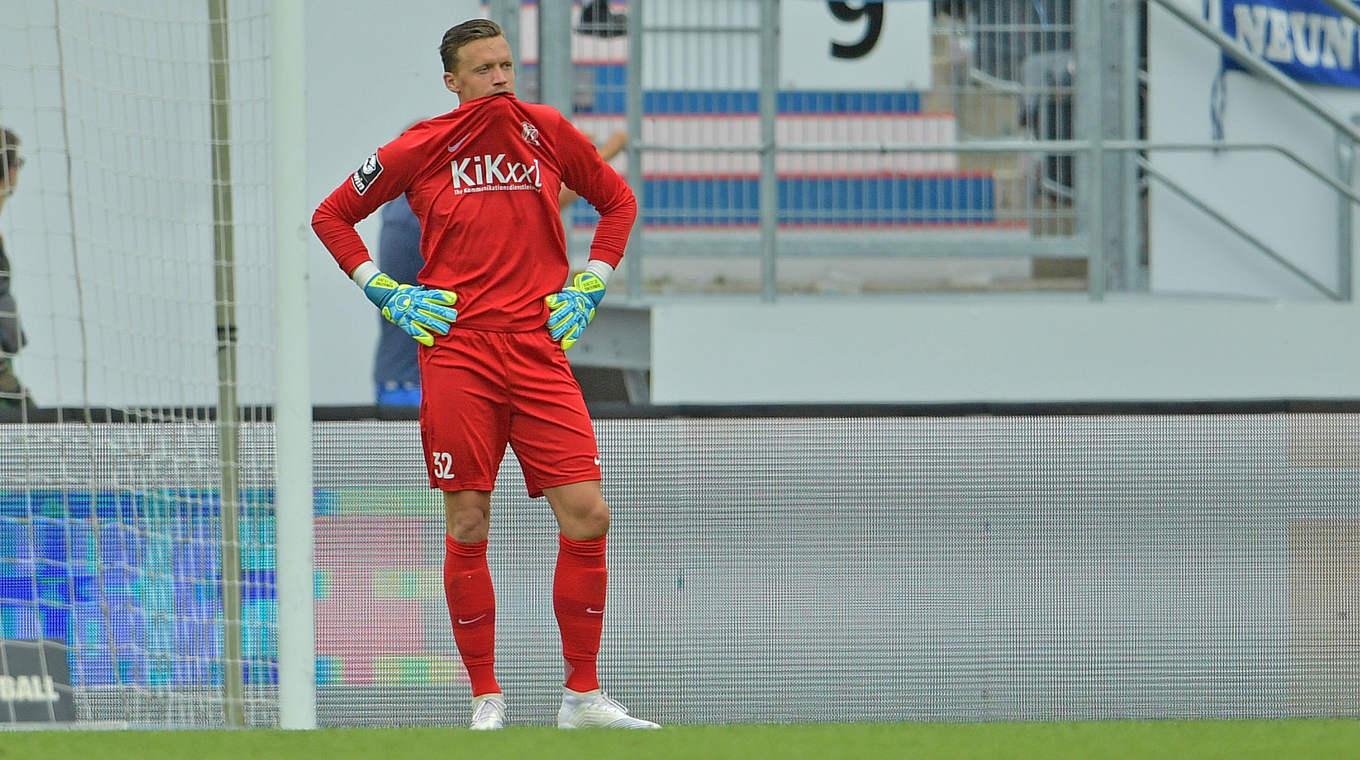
{"type": "Point", "coordinates": [572, 309]}
{"type": "Point", "coordinates": [422, 312]}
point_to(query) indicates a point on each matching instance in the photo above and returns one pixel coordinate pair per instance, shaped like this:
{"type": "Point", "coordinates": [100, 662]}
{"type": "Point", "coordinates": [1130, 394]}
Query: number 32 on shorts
{"type": "Point", "coordinates": [442, 462]}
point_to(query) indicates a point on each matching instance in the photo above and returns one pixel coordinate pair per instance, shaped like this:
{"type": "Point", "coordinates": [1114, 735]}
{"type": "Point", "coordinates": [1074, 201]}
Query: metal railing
{"type": "Point", "coordinates": [1024, 124]}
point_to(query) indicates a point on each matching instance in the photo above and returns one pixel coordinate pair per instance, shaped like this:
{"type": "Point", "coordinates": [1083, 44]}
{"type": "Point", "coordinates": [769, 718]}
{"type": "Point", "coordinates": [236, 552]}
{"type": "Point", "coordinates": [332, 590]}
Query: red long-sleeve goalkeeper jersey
{"type": "Point", "coordinates": [483, 181]}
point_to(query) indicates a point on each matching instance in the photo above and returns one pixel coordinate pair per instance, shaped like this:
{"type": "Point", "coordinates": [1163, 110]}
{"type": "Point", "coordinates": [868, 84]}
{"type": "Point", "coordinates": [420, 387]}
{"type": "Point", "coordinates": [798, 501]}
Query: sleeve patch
{"type": "Point", "coordinates": [363, 178]}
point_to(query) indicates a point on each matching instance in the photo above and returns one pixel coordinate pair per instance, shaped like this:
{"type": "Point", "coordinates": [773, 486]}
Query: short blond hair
{"type": "Point", "coordinates": [458, 36]}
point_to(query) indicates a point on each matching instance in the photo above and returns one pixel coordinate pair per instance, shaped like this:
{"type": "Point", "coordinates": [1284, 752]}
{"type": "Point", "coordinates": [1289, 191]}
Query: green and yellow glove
{"type": "Point", "coordinates": [422, 312]}
{"type": "Point", "coordinates": [572, 309]}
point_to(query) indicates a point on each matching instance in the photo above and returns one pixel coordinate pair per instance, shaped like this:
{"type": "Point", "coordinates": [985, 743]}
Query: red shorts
{"type": "Point", "coordinates": [482, 390]}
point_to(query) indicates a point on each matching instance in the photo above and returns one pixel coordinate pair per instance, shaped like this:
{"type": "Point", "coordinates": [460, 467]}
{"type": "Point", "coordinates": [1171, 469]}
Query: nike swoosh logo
{"type": "Point", "coordinates": [454, 148]}
{"type": "Point", "coordinates": [472, 620]}
{"type": "Point", "coordinates": [593, 611]}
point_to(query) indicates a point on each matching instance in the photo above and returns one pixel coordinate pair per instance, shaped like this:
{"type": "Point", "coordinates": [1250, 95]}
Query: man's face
{"type": "Point", "coordinates": [485, 67]}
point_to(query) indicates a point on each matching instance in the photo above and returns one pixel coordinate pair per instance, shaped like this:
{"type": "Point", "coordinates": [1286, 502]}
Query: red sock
{"type": "Point", "coordinates": [578, 599]}
{"type": "Point", "coordinates": [472, 611]}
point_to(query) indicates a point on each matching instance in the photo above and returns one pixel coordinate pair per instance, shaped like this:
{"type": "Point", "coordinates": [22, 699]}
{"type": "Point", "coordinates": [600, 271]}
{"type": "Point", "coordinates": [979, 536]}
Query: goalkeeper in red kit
{"type": "Point", "coordinates": [494, 320]}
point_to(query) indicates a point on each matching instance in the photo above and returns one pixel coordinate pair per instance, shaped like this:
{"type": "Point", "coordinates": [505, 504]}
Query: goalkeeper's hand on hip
{"type": "Point", "coordinates": [570, 310]}
{"type": "Point", "coordinates": [422, 312]}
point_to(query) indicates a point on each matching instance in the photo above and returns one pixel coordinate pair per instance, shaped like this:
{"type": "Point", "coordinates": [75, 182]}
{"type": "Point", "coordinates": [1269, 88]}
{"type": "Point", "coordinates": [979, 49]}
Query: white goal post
{"type": "Point", "coordinates": [293, 405]}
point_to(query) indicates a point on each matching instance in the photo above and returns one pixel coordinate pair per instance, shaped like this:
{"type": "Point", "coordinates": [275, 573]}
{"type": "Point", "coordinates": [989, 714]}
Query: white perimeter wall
{"type": "Point", "coordinates": [1003, 349]}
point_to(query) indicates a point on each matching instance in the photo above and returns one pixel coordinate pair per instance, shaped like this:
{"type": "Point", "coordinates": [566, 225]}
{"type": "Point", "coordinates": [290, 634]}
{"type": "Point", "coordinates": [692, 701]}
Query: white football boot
{"type": "Point", "coordinates": [488, 712]}
{"type": "Point", "coordinates": [595, 709]}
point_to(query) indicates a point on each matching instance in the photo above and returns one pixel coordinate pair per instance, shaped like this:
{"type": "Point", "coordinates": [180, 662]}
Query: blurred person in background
{"type": "Point", "coordinates": [599, 20]}
{"type": "Point", "coordinates": [13, 395]}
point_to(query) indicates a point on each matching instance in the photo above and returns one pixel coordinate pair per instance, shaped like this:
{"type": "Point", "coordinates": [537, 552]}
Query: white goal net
{"type": "Point", "coordinates": [136, 548]}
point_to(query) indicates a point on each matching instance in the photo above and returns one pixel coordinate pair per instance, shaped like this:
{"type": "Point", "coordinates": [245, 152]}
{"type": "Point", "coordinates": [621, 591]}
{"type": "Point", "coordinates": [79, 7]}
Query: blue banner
{"type": "Point", "coordinates": [1308, 40]}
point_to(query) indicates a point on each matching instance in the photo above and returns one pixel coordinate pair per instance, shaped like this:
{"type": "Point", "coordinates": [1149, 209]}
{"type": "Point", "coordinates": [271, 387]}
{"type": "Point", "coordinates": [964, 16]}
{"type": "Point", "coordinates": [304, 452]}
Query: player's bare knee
{"type": "Point", "coordinates": [467, 516]}
{"type": "Point", "coordinates": [470, 530]}
{"type": "Point", "coordinates": [592, 521]}
{"type": "Point", "coordinates": [599, 519]}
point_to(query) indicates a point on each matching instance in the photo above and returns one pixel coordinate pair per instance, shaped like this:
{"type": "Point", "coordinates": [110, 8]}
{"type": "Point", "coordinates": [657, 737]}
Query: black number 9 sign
{"type": "Point", "coordinates": [872, 13]}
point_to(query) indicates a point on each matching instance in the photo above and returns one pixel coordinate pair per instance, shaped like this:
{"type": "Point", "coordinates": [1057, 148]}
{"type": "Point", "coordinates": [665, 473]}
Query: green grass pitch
{"type": "Point", "coordinates": [1162, 740]}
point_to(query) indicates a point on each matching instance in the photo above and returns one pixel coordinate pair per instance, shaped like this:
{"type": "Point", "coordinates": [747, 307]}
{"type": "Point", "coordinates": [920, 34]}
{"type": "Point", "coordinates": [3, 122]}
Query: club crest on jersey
{"type": "Point", "coordinates": [363, 178]}
{"type": "Point", "coordinates": [529, 132]}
